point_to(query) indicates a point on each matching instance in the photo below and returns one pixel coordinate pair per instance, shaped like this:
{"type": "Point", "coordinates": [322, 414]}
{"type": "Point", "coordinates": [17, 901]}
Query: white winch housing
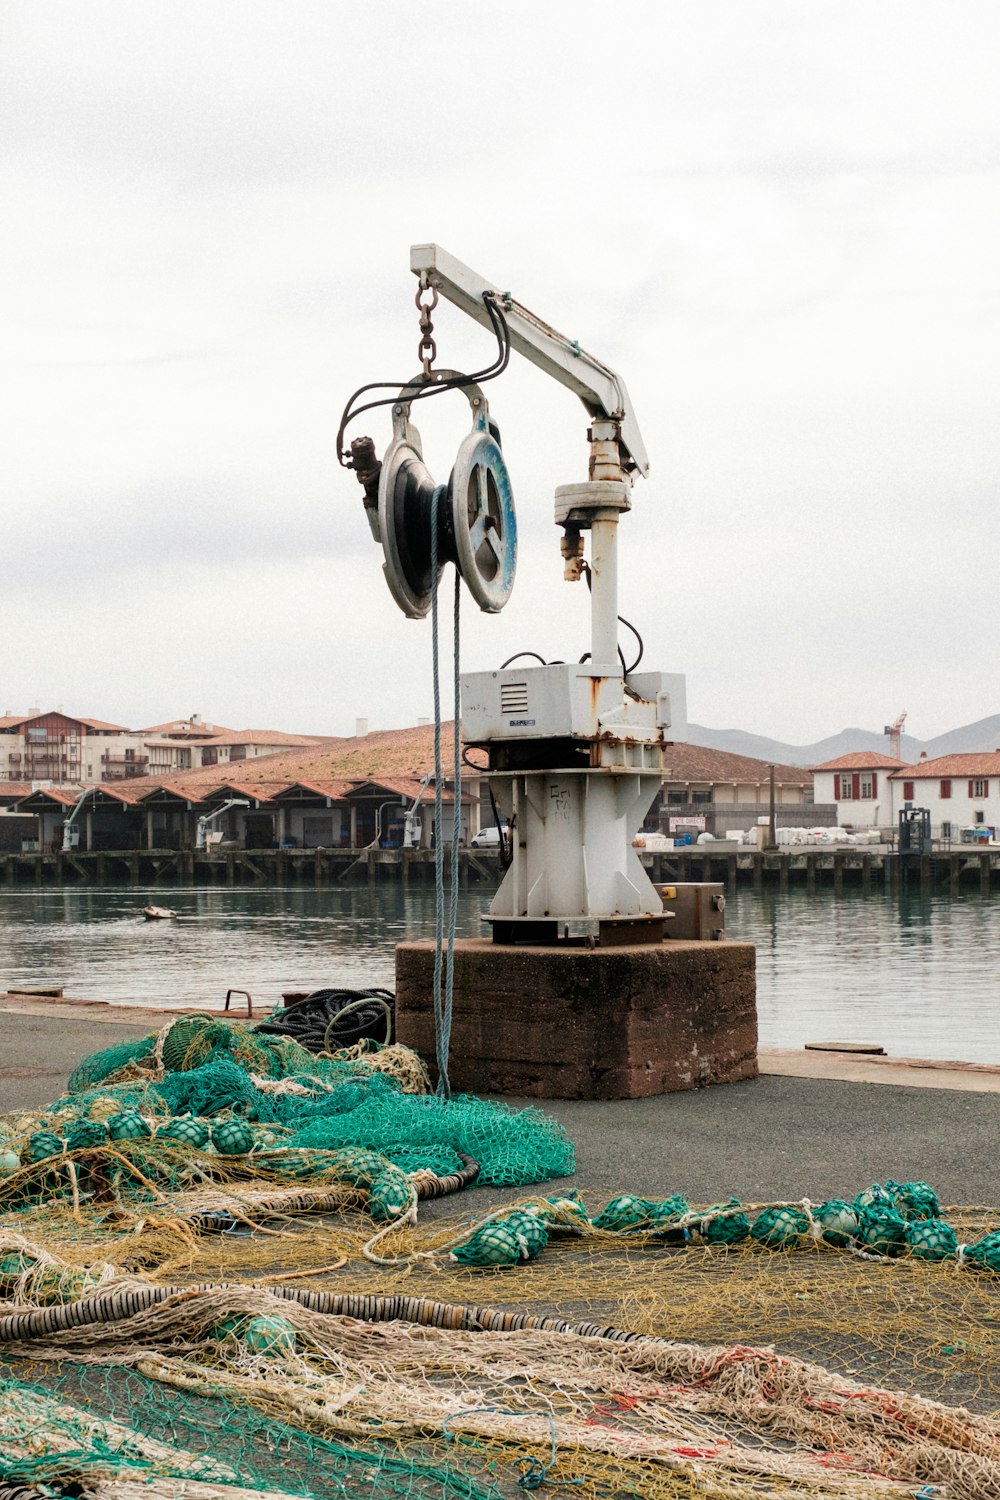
{"type": "Point", "coordinates": [576, 758]}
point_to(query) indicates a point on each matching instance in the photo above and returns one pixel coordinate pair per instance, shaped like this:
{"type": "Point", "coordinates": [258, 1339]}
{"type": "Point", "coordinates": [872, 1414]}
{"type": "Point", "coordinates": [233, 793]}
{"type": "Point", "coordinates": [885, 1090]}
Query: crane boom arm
{"type": "Point", "coordinates": [601, 390]}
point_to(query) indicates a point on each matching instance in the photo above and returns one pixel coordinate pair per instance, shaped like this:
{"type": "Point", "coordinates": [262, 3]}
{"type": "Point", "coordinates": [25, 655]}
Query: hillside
{"type": "Point", "coordinates": [984, 734]}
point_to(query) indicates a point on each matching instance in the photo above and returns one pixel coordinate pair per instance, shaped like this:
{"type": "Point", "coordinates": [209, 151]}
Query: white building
{"type": "Point", "coordinates": [961, 792]}
{"type": "Point", "coordinates": [860, 785]}
{"type": "Point", "coordinates": [63, 750]}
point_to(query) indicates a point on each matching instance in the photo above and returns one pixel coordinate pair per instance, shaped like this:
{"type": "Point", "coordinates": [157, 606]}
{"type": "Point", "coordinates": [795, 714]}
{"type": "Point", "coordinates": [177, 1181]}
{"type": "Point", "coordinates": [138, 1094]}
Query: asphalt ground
{"type": "Point", "coordinates": [770, 1137]}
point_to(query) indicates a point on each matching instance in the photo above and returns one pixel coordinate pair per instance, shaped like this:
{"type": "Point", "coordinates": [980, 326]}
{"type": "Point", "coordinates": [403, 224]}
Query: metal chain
{"type": "Point", "coordinates": [426, 349]}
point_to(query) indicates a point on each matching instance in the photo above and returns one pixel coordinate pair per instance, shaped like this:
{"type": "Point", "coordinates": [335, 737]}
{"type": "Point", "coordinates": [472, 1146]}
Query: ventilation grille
{"type": "Point", "coordinates": [513, 697]}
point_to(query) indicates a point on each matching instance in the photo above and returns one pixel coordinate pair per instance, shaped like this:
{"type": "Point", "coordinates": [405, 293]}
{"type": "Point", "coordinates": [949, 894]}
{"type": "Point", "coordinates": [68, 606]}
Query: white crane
{"type": "Point", "coordinates": [201, 835]}
{"type": "Point", "coordinates": [411, 818]}
{"type": "Point", "coordinates": [71, 828]}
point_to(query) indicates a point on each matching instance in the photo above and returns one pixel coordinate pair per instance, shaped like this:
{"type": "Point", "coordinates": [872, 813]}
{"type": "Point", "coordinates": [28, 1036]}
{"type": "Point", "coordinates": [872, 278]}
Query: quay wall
{"type": "Point", "coordinates": [968, 869]}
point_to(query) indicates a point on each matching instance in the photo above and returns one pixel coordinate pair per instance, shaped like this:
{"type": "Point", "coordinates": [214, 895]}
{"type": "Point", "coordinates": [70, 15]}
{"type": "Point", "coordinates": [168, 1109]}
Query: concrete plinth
{"type": "Point", "coordinates": [587, 1023]}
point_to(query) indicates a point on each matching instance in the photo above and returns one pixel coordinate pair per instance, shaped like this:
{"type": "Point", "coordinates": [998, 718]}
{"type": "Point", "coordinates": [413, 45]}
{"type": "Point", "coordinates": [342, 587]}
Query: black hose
{"type": "Point", "coordinates": [454, 382]}
{"type": "Point", "coordinates": [329, 1019]}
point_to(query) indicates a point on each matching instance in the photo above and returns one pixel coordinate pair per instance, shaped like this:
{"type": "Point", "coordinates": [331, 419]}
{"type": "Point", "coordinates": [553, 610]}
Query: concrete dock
{"type": "Point", "coordinates": [817, 1124]}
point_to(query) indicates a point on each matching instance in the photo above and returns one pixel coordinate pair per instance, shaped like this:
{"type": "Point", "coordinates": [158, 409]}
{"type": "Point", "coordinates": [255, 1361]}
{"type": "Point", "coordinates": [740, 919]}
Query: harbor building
{"type": "Point", "coordinates": [717, 792]}
{"type": "Point", "coordinates": [859, 787]}
{"type": "Point", "coordinates": [961, 793]}
{"type": "Point", "coordinates": [57, 749]}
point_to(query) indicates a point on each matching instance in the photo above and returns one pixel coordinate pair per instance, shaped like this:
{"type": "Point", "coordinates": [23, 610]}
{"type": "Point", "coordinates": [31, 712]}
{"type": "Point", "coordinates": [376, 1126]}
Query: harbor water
{"type": "Point", "coordinates": [916, 973]}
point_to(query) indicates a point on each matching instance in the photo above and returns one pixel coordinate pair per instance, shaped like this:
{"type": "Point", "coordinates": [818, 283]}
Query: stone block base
{"type": "Point", "coordinates": [586, 1023]}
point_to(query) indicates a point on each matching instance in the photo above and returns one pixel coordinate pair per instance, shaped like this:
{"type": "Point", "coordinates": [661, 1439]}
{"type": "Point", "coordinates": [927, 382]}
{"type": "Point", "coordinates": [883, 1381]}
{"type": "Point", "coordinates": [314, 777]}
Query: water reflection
{"type": "Point", "coordinates": [914, 971]}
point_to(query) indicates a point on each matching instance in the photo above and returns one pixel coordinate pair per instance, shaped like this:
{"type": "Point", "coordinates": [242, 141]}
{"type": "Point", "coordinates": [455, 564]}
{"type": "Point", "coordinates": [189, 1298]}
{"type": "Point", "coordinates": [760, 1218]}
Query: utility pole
{"type": "Point", "coordinates": [772, 837]}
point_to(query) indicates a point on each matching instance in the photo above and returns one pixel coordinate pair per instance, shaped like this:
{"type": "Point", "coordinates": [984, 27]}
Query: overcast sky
{"type": "Point", "coordinates": [779, 221]}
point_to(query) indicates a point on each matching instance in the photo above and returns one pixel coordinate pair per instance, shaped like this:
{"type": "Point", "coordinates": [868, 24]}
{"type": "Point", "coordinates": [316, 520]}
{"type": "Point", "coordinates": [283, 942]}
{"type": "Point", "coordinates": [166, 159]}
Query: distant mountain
{"type": "Point", "coordinates": [984, 734]}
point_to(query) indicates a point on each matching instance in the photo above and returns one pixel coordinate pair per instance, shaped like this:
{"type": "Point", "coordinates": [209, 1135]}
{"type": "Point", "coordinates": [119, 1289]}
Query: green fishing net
{"type": "Point", "coordinates": [101, 1065]}
{"type": "Point", "coordinates": [227, 1075]}
{"type": "Point", "coordinates": [176, 1435]}
{"type": "Point", "coordinates": [513, 1147]}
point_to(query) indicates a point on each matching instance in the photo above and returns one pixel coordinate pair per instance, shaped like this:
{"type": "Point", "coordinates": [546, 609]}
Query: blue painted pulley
{"type": "Point", "coordinates": [483, 520]}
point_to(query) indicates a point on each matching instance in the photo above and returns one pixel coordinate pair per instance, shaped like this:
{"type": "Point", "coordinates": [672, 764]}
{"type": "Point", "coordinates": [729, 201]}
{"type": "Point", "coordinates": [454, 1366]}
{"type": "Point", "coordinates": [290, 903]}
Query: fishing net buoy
{"type": "Point", "coordinates": [931, 1239]}
{"type": "Point", "coordinates": [882, 1230]}
{"type": "Point", "coordinates": [625, 1212]}
{"type": "Point", "coordinates": [187, 1131]}
{"type": "Point", "coordinates": [875, 1196]}
{"type": "Point", "coordinates": [665, 1215]}
{"type": "Point", "coordinates": [265, 1334]}
{"type": "Point", "coordinates": [390, 1194]}
{"type": "Point", "coordinates": [504, 1242]}
{"type": "Point", "coordinates": [985, 1255]}
{"type": "Point", "coordinates": [358, 1166]}
{"type": "Point", "coordinates": [83, 1134]}
{"type": "Point", "coordinates": [128, 1125]}
{"type": "Point", "coordinates": [838, 1221]}
{"type": "Point", "coordinates": [725, 1229]}
{"type": "Point", "coordinates": [9, 1161]}
{"type": "Point", "coordinates": [565, 1216]}
{"type": "Point", "coordinates": [916, 1200]}
{"type": "Point", "coordinates": [780, 1228]}
{"type": "Point", "coordinates": [232, 1138]}
{"type": "Point", "coordinates": [43, 1144]}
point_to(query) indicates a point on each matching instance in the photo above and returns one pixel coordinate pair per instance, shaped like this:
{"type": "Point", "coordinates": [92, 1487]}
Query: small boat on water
{"type": "Point", "coordinates": [158, 913]}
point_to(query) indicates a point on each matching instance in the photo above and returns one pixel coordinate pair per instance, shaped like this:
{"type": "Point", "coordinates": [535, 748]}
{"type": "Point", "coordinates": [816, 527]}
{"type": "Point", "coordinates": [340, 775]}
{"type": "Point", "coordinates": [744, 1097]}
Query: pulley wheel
{"type": "Point", "coordinates": [483, 520]}
{"type": "Point", "coordinates": [405, 509]}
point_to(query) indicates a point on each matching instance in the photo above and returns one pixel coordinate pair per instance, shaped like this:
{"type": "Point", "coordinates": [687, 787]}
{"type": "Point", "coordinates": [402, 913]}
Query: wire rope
{"type": "Point", "coordinates": [443, 1086]}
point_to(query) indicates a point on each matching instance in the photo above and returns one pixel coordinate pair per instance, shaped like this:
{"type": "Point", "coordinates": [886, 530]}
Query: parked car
{"type": "Point", "coordinates": [486, 838]}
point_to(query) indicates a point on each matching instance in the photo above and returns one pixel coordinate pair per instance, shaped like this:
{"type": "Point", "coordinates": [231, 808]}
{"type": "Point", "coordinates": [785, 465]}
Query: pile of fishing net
{"type": "Point", "coordinates": [155, 1340]}
{"type": "Point", "coordinates": [162, 1391]}
{"type": "Point", "coordinates": [372, 1097]}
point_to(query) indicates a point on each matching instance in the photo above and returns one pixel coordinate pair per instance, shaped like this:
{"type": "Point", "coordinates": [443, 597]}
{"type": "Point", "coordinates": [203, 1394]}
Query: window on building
{"type": "Point", "coordinates": [676, 799]}
{"type": "Point", "coordinates": [979, 788]}
{"type": "Point", "coordinates": [846, 792]}
{"type": "Point", "coordinates": [946, 789]}
{"type": "Point", "coordinates": [980, 816]}
{"type": "Point", "coordinates": [867, 785]}
{"type": "Point", "coordinates": [701, 796]}
{"type": "Point", "coordinates": [907, 791]}
{"type": "Point", "coordinates": [946, 830]}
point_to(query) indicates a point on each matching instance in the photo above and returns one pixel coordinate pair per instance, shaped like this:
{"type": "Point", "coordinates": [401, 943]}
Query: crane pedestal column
{"type": "Point", "coordinates": [568, 1022]}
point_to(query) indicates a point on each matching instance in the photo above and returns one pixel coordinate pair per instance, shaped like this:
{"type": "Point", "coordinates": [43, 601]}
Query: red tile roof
{"type": "Point", "coordinates": [862, 760]}
{"type": "Point", "coordinates": [276, 737]}
{"type": "Point", "coordinates": [129, 794]}
{"type": "Point", "coordinates": [335, 787]}
{"type": "Point", "coordinates": [185, 726]}
{"type": "Point", "coordinates": [389, 752]}
{"type": "Point", "coordinates": [10, 721]}
{"type": "Point", "coordinates": [698, 763]}
{"type": "Point", "coordinates": [974, 763]}
{"type": "Point", "coordinates": [99, 724]}
{"type": "Point", "coordinates": [14, 789]}
{"type": "Point", "coordinates": [53, 794]}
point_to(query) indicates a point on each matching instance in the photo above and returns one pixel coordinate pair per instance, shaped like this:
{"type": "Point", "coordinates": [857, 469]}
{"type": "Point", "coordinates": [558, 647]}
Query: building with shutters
{"type": "Point", "coordinates": [961, 792]}
{"type": "Point", "coordinates": [859, 785]}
